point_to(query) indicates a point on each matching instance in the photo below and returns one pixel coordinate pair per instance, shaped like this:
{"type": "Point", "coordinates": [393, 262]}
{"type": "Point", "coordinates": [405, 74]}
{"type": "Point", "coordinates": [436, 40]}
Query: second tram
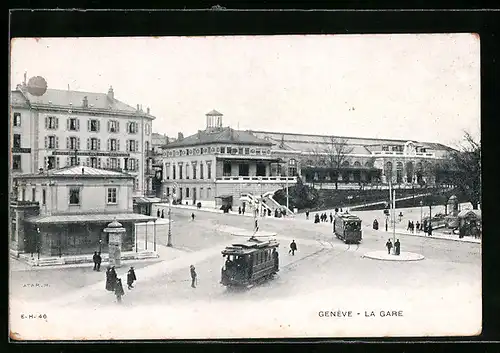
{"type": "Point", "coordinates": [347, 227]}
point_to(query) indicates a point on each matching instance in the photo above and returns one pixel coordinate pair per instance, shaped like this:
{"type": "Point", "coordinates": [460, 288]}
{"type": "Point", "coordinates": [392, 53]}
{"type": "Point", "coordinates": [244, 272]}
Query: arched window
{"type": "Point", "coordinates": [399, 172]}
{"type": "Point", "coordinates": [292, 167]}
{"type": "Point", "coordinates": [345, 164]}
{"type": "Point", "coordinates": [409, 172]}
{"type": "Point", "coordinates": [368, 164]}
{"type": "Point", "coordinates": [388, 170]}
{"type": "Point", "coordinates": [357, 164]}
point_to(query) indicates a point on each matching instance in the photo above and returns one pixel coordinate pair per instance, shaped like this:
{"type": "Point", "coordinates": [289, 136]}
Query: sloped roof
{"type": "Point", "coordinates": [76, 171]}
{"type": "Point", "coordinates": [224, 135]}
{"type": "Point", "coordinates": [67, 98]}
{"type": "Point", "coordinates": [17, 99]}
{"type": "Point", "coordinates": [214, 112]}
{"type": "Point", "coordinates": [304, 142]}
{"type": "Point", "coordinates": [465, 213]}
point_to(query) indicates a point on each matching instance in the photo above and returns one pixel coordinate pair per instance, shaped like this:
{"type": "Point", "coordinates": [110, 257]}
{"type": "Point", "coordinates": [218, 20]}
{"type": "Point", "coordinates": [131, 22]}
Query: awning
{"type": "Point", "coordinates": [143, 200]}
{"type": "Point", "coordinates": [90, 218]}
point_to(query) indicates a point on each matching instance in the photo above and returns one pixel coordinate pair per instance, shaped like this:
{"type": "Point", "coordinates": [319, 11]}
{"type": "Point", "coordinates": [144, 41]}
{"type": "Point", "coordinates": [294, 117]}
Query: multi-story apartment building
{"type": "Point", "coordinates": [67, 128]}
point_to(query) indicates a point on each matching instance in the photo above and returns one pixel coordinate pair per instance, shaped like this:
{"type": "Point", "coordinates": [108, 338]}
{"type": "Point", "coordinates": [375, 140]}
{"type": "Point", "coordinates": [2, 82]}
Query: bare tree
{"type": "Point", "coordinates": [332, 153]}
{"type": "Point", "coordinates": [465, 168]}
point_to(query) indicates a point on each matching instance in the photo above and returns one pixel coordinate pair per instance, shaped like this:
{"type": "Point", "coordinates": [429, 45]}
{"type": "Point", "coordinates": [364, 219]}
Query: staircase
{"type": "Point", "coordinates": [268, 196]}
{"type": "Point", "coordinates": [254, 202]}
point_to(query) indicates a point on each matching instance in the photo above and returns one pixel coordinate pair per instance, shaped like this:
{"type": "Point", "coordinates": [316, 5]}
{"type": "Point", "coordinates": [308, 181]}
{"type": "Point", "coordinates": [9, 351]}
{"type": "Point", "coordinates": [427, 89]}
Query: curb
{"type": "Point", "coordinates": [374, 255]}
{"type": "Point", "coordinates": [435, 237]}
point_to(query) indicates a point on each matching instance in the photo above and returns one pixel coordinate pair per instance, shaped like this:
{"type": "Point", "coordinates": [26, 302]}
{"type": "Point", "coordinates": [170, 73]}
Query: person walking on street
{"type": "Point", "coordinates": [162, 213]}
{"type": "Point", "coordinates": [293, 247]}
{"type": "Point", "coordinates": [158, 213]}
{"type": "Point", "coordinates": [256, 225]}
{"type": "Point", "coordinates": [316, 218]}
{"type": "Point", "coordinates": [99, 260]}
{"type": "Point", "coordinates": [239, 210]}
{"type": "Point", "coordinates": [397, 247]}
{"type": "Point", "coordinates": [94, 258]}
{"type": "Point", "coordinates": [418, 227]}
{"type": "Point", "coordinates": [307, 215]}
{"type": "Point", "coordinates": [409, 226]}
{"type": "Point", "coordinates": [389, 246]}
{"type": "Point", "coordinates": [193, 276]}
{"type": "Point", "coordinates": [192, 216]}
{"type": "Point", "coordinates": [119, 292]}
{"type": "Point", "coordinates": [331, 218]}
{"type": "Point", "coordinates": [109, 284]}
{"type": "Point", "coordinates": [131, 278]}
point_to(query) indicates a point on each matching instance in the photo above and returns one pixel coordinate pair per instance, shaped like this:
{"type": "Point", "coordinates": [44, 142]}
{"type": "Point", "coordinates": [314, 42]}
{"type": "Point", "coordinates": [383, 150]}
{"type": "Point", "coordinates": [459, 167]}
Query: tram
{"type": "Point", "coordinates": [250, 262]}
{"type": "Point", "coordinates": [347, 227]}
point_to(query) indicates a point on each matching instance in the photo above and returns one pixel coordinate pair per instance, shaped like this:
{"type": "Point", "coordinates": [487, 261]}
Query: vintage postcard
{"type": "Point", "coordinates": [245, 187]}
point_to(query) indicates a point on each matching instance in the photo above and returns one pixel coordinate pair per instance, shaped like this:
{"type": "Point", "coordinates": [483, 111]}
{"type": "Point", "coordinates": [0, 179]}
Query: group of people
{"type": "Point", "coordinates": [324, 217]}
{"type": "Point", "coordinates": [412, 227]}
{"type": "Point", "coordinates": [114, 284]}
{"type": "Point", "coordinates": [396, 246]}
{"type": "Point", "coordinates": [160, 214]}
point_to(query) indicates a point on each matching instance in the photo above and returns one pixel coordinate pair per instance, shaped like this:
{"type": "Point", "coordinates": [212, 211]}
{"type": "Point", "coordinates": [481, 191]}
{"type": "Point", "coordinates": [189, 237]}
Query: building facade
{"type": "Point", "coordinates": [219, 165]}
{"type": "Point", "coordinates": [64, 211]}
{"type": "Point", "coordinates": [68, 128]}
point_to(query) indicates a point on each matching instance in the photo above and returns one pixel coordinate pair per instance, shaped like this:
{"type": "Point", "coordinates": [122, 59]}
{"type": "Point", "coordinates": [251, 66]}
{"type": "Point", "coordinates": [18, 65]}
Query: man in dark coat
{"type": "Point", "coordinates": [94, 258]}
{"type": "Point", "coordinates": [99, 260]}
{"type": "Point", "coordinates": [316, 218]}
{"type": "Point", "coordinates": [256, 225]}
{"type": "Point", "coordinates": [239, 210]}
{"type": "Point", "coordinates": [268, 212]}
{"type": "Point", "coordinates": [193, 276]}
{"type": "Point", "coordinates": [307, 215]}
{"type": "Point", "coordinates": [293, 247]}
{"type": "Point", "coordinates": [109, 280]}
{"type": "Point", "coordinates": [192, 216]}
{"type": "Point", "coordinates": [162, 213]}
{"type": "Point", "coordinates": [389, 246]}
{"type": "Point", "coordinates": [158, 213]}
{"type": "Point", "coordinates": [276, 260]}
{"type": "Point", "coordinates": [331, 218]}
{"type": "Point", "coordinates": [119, 292]}
{"type": "Point", "coordinates": [375, 224]}
{"type": "Point", "coordinates": [397, 247]}
{"type": "Point", "coordinates": [131, 278]}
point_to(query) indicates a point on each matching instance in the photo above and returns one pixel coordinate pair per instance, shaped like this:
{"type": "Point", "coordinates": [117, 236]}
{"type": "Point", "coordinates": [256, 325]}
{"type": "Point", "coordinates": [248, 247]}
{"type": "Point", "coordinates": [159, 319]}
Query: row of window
{"type": "Point", "coordinates": [93, 125]}
{"type": "Point", "coordinates": [178, 171]}
{"type": "Point", "coordinates": [74, 195]}
{"type": "Point", "coordinates": [222, 150]}
{"type": "Point", "coordinates": [194, 193]}
{"type": "Point", "coordinates": [400, 148]}
{"type": "Point", "coordinates": [93, 143]}
{"type": "Point", "coordinates": [52, 162]}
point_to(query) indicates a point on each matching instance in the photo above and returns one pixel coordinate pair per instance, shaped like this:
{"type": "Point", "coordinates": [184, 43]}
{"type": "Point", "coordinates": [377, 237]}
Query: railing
{"type": "Point", "coordinates": [399, 153]}
{"type": "Point", "coordinates": [257, 179]}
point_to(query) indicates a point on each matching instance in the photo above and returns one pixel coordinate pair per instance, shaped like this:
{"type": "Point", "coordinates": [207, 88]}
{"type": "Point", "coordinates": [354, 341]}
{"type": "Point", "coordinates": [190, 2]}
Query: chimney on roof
{"type": "Point", "coordinates": [180, 136]}
{"type": "Point", "coordinates": [85, 102]}
{"type": "Point", "coordinates": [111, 93]}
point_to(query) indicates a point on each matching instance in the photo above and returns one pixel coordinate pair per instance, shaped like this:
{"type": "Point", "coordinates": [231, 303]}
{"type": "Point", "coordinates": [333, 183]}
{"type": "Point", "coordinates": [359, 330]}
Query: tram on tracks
{"type": "Point", "coordinates": [347, 227]}
{"type": "Point", "coordinates": [250, 262]}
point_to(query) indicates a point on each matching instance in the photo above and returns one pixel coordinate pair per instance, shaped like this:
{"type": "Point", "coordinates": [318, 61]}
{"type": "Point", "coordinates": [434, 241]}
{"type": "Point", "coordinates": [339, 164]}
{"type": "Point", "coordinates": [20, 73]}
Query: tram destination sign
{"type": "Point", "coordinates": [91, 154]}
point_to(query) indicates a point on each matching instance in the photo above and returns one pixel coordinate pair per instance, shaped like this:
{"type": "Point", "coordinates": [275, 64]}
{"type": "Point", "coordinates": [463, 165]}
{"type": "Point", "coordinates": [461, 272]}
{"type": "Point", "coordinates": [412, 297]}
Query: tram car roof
{"type": "Point", "coordinates": [250, 246]}
{"type": "Point", "coordinates": [348, 217]}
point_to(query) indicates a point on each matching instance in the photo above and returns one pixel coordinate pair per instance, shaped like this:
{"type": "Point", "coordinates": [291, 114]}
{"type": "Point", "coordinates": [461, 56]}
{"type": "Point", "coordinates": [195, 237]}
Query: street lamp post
{"type": "Point", "coordinates": [38, 242]}
{"type": "Point", "coordinates": [169, 239]}
{"type": "Point", "coordinates": [421, 212]}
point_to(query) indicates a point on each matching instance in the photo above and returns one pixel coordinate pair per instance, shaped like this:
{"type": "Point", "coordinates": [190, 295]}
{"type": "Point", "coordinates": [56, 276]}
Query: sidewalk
{"type": "Point", "coordinates": [452, 237]}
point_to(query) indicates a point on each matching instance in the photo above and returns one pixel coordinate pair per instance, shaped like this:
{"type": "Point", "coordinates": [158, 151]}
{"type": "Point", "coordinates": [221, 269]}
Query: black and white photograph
{"type": "Point", "coordinates": [245, 186]}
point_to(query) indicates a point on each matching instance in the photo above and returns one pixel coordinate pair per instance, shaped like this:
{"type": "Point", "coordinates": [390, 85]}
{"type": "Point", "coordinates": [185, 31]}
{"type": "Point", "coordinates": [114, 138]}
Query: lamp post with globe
{"type": "Point", "coordinates": [170, 200]}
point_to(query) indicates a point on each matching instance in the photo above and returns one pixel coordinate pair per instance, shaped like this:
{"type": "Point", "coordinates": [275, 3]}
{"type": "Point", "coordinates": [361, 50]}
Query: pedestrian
{"type": "Point", "coordinates": [239, 210]}
{"type": "Point", "coordinates": [293, 247]}
{"type": "Point", "coordinates": [389, 246]}
{"type": "Point", "coordinates": [99, 260]}
{"type": "Point", "coordinates": [131, 277]}
{"type": "Point", "coordinates": [316, 218]}
{"type": "Point", "coordinates": [276, 260]}
{"type": "Point", "coordinates": [375, 224]}
{"type": "Point", "coordinates": [268, 212]}
{"type": "Point", "coordinates": [412, 227]}
{"type": "Point", "coordinates": [331, 218]}
{"type": "Point", "coordinates": [192, 216]}
{"type": "Point", "coordinates": [94, 258]}
{"type": "Point", "coordinates": [119, 292]}
{"type": "Point", "coordinates": [158, 213]}
{"type": "Point", "coordinates": [256, 225]}
{"type": "Point", "coordinates": [193, 276]}
{"type": "Point", "coordinates": [307, 215]}
{"type": "Point", "coordinates": [409, 226]}
{"type": "Point", "coordinates": [418, 227]}
{"type": "Point", "coordinates": [243, 208]}
{"type": "Point", "coordinates": [397, 247]}
{"type": "Point", "coordinates": [109, 280]}
{"type": "Point", "coordinates": [162, 213]}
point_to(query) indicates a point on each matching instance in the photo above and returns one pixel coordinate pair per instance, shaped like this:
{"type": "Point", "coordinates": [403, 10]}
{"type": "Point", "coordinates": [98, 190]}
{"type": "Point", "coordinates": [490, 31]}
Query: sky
{"type": "Point", "coordinates": [423, 87]}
